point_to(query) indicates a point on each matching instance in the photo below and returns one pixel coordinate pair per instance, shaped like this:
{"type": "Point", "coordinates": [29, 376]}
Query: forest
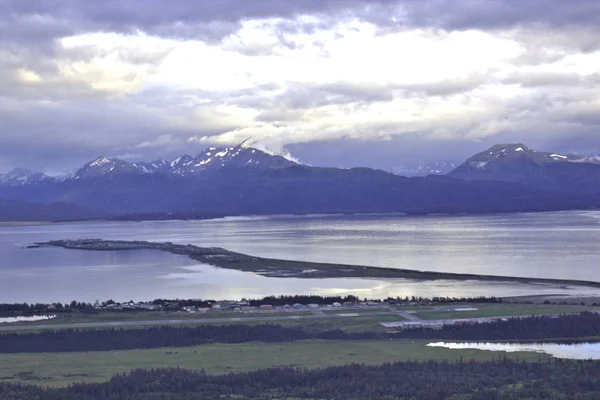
{"type": "Point", "coordinates": [583, 325]}
{"type": "Point", "coordinates": [492, 380]}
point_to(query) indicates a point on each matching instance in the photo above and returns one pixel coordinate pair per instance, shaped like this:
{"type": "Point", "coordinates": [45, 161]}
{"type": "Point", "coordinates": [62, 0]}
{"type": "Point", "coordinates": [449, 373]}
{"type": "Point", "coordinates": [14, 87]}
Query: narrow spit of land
{"type": "Point", "coordinates": [270, 267]}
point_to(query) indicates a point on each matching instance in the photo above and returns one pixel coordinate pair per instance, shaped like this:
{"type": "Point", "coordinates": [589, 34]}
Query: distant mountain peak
{"type": "Point", "coordinates": [424, 168]}
{"type": "Point", "coordinates": [240, 156]}
{"type": "Point", "coordinates": [102, 166]}
{"type": "Point", "coordinates": [23, 176]}
{"type": "Point", "coordinates": [98, 162]}
{"type": "Point", "coordinates": [513, 152]}
{"type": "Point", "coordinates": [520, 163]}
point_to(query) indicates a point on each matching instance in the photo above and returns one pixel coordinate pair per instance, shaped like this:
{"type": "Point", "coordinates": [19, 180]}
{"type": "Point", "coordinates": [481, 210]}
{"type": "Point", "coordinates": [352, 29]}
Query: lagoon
{"type": "Point", "coordinates": [579, 351]}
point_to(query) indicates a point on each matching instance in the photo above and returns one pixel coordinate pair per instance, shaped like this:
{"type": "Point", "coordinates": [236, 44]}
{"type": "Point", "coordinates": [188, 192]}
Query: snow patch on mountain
{"type": "Point", "coordinates": [23, 176]}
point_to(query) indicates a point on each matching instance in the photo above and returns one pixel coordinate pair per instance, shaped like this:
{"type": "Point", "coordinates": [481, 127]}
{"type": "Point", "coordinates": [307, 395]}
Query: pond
{"type": "Point", "coordinates": [578, 351]}
{"type": "Point", "coordinates": [33, 318]}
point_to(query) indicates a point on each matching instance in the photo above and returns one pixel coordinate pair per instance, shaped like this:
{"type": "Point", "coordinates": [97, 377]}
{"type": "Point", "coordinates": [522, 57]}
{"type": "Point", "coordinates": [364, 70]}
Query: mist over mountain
{"type": "Point", "coordinates": [424, 168]}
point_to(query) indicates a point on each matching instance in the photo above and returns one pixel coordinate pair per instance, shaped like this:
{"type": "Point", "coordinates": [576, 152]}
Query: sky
{"type": "Point", "coordinates": [376, 83]}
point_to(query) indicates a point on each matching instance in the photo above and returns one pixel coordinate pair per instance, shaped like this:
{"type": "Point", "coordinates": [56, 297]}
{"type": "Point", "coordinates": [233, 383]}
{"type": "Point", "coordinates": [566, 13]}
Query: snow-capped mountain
{"type": "Point", "coordinates": [210, 159]}
{"type": "Point", "coordinates": [102, 166]}
{"type": "Point", "coordinates": [502, 153]}
{"type": "Point", "coordinates": [519, 163]}
{"type": "Point", "coordinates": [22, 176]}
{"type": "Point", "coordinates": [424, 168]}
{"type": "Point", "coordinates": [237, 157]}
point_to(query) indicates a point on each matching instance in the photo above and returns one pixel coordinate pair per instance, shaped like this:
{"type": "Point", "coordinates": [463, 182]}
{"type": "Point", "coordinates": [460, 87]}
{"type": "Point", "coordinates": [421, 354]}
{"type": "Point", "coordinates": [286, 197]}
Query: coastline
{"type": "Point", "coordinates": [277, 268]}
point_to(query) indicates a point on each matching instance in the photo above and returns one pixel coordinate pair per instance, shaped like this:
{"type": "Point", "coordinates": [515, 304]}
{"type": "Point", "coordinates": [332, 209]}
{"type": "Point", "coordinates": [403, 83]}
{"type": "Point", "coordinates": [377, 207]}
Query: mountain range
{"type": "Point", "coordinates": [244, 180]}
{"type": "Point", "coordinates": [210, 159]}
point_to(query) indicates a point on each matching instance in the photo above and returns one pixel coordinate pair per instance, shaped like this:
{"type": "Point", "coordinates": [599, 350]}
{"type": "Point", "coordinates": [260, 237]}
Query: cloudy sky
{"type": "Point", "coordinates": [333, 82]}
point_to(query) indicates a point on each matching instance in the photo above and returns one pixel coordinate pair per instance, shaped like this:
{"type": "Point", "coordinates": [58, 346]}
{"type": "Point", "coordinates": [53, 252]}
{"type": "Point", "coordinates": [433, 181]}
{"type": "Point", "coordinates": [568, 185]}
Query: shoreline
{"type": "Point", "coordinates": [277, 268]}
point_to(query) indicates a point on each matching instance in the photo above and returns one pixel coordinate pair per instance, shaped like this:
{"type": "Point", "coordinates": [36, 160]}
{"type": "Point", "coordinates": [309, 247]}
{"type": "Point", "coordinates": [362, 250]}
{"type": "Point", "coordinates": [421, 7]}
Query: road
{"type": "Point", "coordinates": [118, 324]}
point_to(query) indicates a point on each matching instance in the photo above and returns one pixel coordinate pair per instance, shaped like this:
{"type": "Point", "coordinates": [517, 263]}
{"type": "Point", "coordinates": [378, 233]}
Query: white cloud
{"type": "Point", "coordinates": [307, 76]}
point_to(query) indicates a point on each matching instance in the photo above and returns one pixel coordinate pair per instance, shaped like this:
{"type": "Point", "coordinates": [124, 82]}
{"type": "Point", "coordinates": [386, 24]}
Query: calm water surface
{"type": "Point", "coordinates": [580, 351]}
{"type": "Point", "coordinates": [550, 245]}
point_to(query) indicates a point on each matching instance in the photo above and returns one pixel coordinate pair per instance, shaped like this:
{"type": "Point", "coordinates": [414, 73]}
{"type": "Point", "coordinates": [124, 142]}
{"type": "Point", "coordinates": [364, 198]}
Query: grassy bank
{"type": "Point", "coordinates": [60, 369]}
{"type": "Point", "coordinates": [502, 312]}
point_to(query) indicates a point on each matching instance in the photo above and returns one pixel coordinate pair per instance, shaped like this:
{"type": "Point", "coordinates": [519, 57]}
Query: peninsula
{"type": "Point", "coordinates": [276, 268]}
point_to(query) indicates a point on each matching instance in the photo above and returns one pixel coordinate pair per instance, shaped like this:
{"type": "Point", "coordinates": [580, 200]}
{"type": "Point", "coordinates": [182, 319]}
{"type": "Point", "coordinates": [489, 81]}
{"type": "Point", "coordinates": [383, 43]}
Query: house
{"type": "Point", "coordinates": [265, 307]}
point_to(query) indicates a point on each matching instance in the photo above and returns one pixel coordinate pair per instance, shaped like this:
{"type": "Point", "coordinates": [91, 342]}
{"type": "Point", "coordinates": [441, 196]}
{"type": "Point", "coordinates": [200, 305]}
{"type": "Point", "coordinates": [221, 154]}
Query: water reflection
{"type": "Point", "coordinates": [579, 351]}
{"type": "Point", "coordinates": [33, 318]}
{"type": "Point", "coordinates": [535, 245]}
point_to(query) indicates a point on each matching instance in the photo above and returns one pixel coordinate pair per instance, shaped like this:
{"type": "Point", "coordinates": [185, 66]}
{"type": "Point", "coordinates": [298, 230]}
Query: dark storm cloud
{"type": "Point", "coordinates": [55, 18]}
{"type": "Point", "coordinates": [499, 14]}
{"type": "Point", "coordinates": [64, 137]}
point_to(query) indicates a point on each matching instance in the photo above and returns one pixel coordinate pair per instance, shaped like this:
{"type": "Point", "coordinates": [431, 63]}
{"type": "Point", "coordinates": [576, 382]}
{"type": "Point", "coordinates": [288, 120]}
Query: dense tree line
{"type": "Point", "coordinates": [25, 309]}
{"type": "Point", "coordinates": [71, 340]}
{"type": "Point", "coordinates": [534, 328]}
{"type": "Point", "coordinates": [501, 379]}
{"type": "Point", "coordinates": [326, 300]}
{"type": "Point", "coordinates": [302, 299]}
{"type": "Point", "coordinates": [585, 324]}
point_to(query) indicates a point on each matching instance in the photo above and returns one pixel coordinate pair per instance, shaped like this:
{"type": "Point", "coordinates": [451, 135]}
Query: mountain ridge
{"type": "Point", "coordinates": [518, 163]}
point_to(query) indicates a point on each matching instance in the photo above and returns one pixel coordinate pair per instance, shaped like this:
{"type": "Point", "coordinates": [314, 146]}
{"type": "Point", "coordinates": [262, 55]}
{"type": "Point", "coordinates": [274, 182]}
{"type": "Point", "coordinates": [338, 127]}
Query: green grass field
{"type": "Point", "coordinates": [505, 311]}
{"type": "Point", "coordinates": [59, 369]}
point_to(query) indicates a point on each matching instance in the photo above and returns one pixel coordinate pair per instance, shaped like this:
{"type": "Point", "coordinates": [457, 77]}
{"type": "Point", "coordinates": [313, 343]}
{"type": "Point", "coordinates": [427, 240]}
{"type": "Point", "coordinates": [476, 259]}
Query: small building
{"type": "Point", "coordinates": [216, 306]}
{"type": "Point", "coordinates": [287, 307]}
{"type": "Point", "coordinates": [336, 304]}
{"type": "Point", "coordinates": [147, 307]}
{"type": "Point", "coordinates": [298, 306]}
{"type": "Point", "coordinates": [266, 307]}
{"type": "Point", "coordinates": [313, 306]}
